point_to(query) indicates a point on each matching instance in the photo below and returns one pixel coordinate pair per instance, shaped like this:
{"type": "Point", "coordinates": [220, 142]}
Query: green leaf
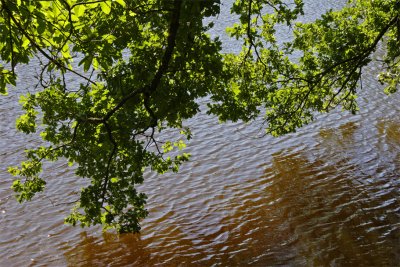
{"type": "Point", "coordinates": [121, 2]}
{"type": "Point", "coordinates": [106, 7]}
{"type": "Point", "coordinates": [79, 10]}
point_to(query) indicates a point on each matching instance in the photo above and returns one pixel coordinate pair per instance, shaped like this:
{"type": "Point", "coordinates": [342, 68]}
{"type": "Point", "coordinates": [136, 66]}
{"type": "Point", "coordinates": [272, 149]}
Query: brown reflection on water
{"type": "Point", "coordinates": [336, 204]}
{"type": "Point", "coordinates": [90, 248]}
{"type": "Point", "coordinates": [332, 216]}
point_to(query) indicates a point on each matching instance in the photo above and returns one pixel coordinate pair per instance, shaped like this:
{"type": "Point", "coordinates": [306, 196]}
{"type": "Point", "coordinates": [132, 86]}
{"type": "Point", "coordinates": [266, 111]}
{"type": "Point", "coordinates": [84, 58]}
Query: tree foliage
{"type": "Point", "coordinates": [141, 67]}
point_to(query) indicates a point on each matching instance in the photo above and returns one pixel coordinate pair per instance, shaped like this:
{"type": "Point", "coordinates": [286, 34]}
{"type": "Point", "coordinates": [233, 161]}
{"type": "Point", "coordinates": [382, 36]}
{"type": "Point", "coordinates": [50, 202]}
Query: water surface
{"type": "Point", "coordinates": [327, 195]}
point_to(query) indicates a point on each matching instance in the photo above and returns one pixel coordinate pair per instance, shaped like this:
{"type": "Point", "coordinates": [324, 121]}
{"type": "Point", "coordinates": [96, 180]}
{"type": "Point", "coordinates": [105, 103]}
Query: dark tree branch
{"type": "Point", "coordinates": [360, 57]}
{"type": "Point", "coordinates": [28, 36]}
{"type": "Point", "coordinates": [172, 34]}
{"type": "Point", "coordinates": [110, 158]}
{"type": "Point", "coordinates": [171, 42]}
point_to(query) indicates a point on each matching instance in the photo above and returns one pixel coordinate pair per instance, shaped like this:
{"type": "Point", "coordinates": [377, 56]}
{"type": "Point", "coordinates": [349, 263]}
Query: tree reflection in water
{"type": "Point", "coordinates": [334, 204]}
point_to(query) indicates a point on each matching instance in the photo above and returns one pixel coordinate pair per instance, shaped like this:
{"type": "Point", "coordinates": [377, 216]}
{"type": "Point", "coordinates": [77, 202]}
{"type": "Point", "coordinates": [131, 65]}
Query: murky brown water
{"type": "Point", "coordinates": [328, 195]}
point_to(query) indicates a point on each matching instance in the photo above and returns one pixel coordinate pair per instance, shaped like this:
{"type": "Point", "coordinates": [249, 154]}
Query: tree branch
{"type": "Point", "coordinates": [172, 34]}
{"type": "Point", "coordinates": [32, 41]}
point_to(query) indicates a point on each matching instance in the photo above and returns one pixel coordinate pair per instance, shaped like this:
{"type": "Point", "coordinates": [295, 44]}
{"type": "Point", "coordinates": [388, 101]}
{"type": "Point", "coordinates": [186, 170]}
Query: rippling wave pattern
{"type": "Point", "coordinates": [325, 196]}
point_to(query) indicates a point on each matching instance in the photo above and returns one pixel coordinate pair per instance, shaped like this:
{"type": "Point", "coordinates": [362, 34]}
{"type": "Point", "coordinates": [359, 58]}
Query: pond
{"type": "Point", "coordinates": [326, 195]}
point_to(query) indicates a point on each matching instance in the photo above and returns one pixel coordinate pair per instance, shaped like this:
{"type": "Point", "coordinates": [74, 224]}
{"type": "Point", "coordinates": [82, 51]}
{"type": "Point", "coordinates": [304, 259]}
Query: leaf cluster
{"type": "Point", "coordinates": [141, 67]}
